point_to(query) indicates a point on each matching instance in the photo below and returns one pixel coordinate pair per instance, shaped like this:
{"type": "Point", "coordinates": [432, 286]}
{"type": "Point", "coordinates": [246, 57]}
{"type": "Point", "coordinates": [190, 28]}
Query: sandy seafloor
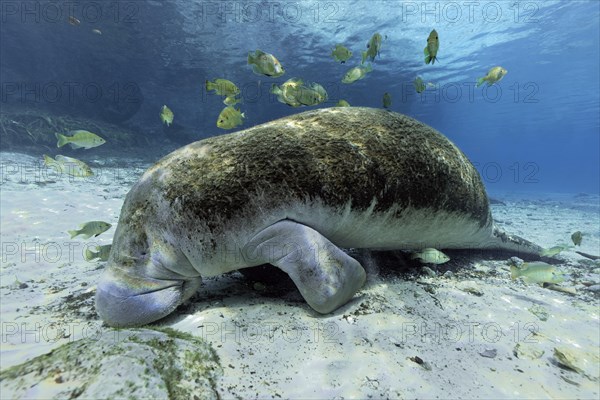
{"type": "Point", "coordinates": [463, 324]}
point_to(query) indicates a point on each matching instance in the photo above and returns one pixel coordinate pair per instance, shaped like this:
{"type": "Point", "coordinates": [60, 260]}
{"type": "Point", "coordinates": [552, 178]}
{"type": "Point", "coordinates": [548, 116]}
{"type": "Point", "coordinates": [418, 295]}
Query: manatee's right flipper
{"type": "Point", "coordinates": [326, 276]}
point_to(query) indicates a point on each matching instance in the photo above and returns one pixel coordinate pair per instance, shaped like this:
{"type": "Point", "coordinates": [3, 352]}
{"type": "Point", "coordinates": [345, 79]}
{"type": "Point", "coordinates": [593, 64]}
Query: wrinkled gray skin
{"type": "Point", "coordinates": [291, 193]}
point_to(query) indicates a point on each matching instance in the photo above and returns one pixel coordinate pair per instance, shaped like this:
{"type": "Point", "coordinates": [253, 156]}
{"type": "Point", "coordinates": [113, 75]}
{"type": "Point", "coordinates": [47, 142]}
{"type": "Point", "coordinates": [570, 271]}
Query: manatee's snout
{"type": "Point", "coordinates": [125, 298]}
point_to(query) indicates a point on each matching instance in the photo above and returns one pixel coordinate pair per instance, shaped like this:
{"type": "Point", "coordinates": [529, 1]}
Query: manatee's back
{"type": "Point", "coordinates": [338, 155]}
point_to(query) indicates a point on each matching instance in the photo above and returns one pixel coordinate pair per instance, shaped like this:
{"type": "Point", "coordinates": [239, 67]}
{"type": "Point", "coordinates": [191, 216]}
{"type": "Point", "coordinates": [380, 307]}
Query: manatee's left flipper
{"type": "Point", "coordinates": [326, 276]}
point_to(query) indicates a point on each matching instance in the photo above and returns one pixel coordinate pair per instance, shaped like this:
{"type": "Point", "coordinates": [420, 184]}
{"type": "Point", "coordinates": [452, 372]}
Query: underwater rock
{"type": "Point", "coordinates": [529, 351]}
{"type": "Point", "coordinates": [471, 287]}
{"type": "Point", "coordinates": [539, 312]}
{"type": "Point", "coordinates": [516, 261]}
{"type": "Point", "coordinates": [137, 363]}
{"type": "Point", "coordinates": [593, 288]}
{"type": "Point", "coordinates": [489, 353]}
{"type": "Point", "coordinates": [418, 360]}
{"type": "Point", "coordinates": [583, 361]}
{"type": "Point", "coordinates": [448, 274]}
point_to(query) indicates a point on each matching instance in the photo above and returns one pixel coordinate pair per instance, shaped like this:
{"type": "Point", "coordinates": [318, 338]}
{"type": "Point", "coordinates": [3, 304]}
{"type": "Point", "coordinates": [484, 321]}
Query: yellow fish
{"type": "Point", "coordinates": [102, 252]}
{"type": "Point", "coordinates": [231, 100]}
{"type": "Point", "coordinates": [311, 96]}
{"type": "Point", "coordinates": [494, 75]}
{"type": "Point", "coordinates": [433, 44]}
{"type": "Point", "coordinates": [577, 237]}
{"type": "Point", "coordinates": [342, 103]}
{"type": "Point", "coordinates": [356, 74]}
{"type": "Point", "coordinates": [430, 256]}
{"type": "Point", "coordinates": [419, 84]}
{"type": "Point", "coordinates": [286, 92]}
{"type": "Point", "coordinates": [295, 94]}
{"type": "Point", "coordinates": [285, 95]}
{"type": "Point", "coordinates": [341, 53]}
{"type": "Point", "coordinates": [89, 229]}
{"type": "Point", "coordinates": [223, 87]}
{"type": "Point", "coordinates": [230, 118]}
{"type": "Point", "coordinates": [80, 139]}
{"type": "Point", "coordinates": [536, 272]}
{"type": "Point", "coordinates": [166, 115]}
{"type": "Point", "coordinates": [552, 251]}
{"type": "Point", "coordinates": [387, 100]}
{"type": "Point", "coordinates": [69, 166]}
{"type": "Point", "coordinates": [373, 48]}
{"type": "Point", "coordinates": [265, 64]}
{"type": "Point", "coordinates": [292, 83]}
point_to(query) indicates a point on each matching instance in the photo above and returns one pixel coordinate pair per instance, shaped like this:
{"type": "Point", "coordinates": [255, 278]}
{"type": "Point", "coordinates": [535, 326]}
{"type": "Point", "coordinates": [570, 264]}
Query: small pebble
{"type": "Point", "coordinates": [481, 268]}
{"type": "Point", "coordinates": [516, 261]}
{"type": "Point", "coordinates": [593, 288]}
{"type": "Point", "coordinates": [470, 287]}
{"type": "Point", "coordinates": [539, 312]}
{"type": "Point", "coordinates": [489, 353]}
{"type": "Point", "coordinates": [424, 364]}
{"type": "Point", "coordinates": [528, 351]}
{"type": "Point", "coordinates": [448, 274]}
{"type": "Point", "coordinates": [23, 286]}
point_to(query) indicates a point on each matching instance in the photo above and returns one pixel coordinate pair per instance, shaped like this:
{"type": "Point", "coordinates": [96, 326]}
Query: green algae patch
{"type": "Point", "coordinates": [133, 363]}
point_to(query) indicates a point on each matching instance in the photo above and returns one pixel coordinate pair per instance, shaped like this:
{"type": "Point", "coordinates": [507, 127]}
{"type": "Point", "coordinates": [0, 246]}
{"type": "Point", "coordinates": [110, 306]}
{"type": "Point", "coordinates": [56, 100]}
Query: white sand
{"type": "Point", "coordinates": [271, 344]}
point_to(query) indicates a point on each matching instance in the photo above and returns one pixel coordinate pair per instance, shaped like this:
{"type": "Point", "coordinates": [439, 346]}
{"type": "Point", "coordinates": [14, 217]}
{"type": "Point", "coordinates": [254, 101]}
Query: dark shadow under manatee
{"type": "Point", "coordinates": [392, 263]}
{"type": "Point", "coordinates": [267, 281]}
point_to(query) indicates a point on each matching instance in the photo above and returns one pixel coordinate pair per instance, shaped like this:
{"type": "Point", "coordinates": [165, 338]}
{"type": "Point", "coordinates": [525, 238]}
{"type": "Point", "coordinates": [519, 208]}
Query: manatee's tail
{"type": "Point", "coordinates": [514, 245]}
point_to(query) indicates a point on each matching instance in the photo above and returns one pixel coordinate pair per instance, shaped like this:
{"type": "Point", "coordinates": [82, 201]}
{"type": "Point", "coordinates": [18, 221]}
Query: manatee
{"type": "Point", "coordinates": [293, 193]}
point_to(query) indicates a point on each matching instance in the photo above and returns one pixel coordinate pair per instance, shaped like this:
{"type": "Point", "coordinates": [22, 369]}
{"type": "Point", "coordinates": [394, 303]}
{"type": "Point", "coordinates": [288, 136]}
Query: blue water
{"type": "Point", "coordinates": [537, 130]}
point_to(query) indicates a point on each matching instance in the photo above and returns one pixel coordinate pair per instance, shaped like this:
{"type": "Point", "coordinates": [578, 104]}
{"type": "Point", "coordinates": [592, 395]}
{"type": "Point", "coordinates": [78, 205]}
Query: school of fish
{"type": "Point", "coordinates": [295, 93]}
